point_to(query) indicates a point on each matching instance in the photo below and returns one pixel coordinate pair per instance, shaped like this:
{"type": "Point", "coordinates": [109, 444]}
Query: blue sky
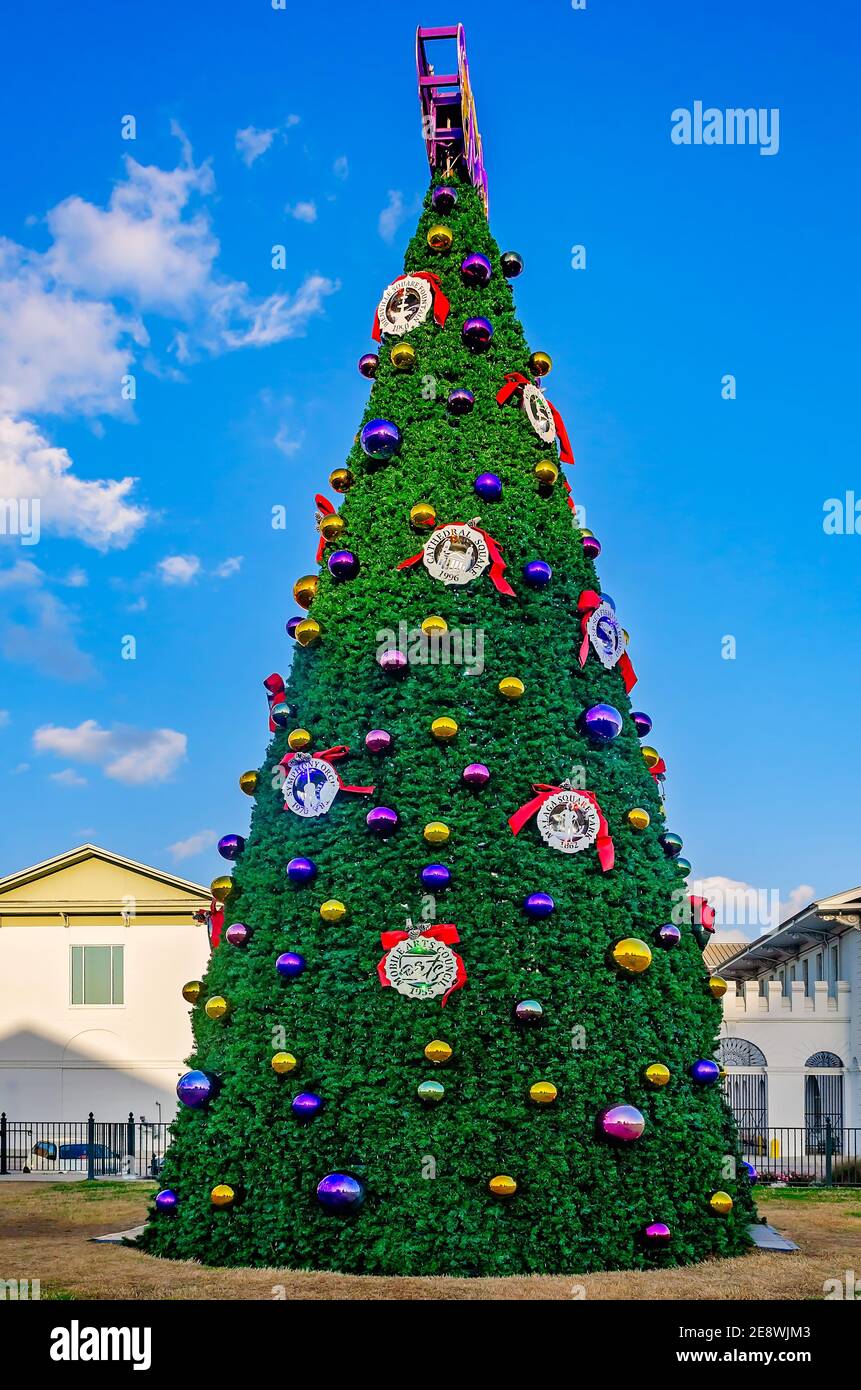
{"type": "Point", "coordinates": [152, 257]}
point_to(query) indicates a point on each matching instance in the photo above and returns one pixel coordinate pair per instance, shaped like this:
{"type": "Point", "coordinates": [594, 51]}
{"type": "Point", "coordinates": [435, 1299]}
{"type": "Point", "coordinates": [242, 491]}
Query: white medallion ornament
{"type": "Point", "coordinates": [605, 634]}
{"type": "Point", "coordinates": [456, 554]}
{"type": "Point", "coordinates": [404, 305]}
{"type": "Point", "coordinates": [420, 967]}
{"type": "Point", "coordinates": [568, 821]}
{"type": "Point", "coordinates": [310, 786]}
{"type": "Point", "coordinates": [538, 413]}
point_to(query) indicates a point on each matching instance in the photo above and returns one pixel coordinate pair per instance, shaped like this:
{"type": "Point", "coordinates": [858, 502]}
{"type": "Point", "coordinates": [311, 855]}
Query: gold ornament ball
{"type": "Point", "coordinates": [222, 1195]}
{"type": "Point", "coordinates": [543, 1092]}
{"type": "Point", "coordinates": [403, 357]}
{"type": "Point", "coordinates": [444, 728]}
{"type": "Point", "coordinates": [434, 624]}
{"type": "Point", "coordinates": [651, 756]}
{"type": "Point", "coordinates": [422, 515]}
{"type": "Point", "coordinates": [305, 589]}
{"type": "Point", "coordinates": [331, 527]}
{"type": "Point", "coordinates": [584, 531]}
{"type": "Point", "coordinates": [638, 818]}
{"type": "Point", "coordinates": [657, 1074]}
{"type": "Point", "coordinates": [632, 955]}
{"type": "Point", "coordinates": [540, 363]}
{"type": "Point", "coordinates": [248, 782]}
{"type": "Point", "coordinates": [341, 479]}
{"type": "Point", "coordinates": [436, 833]}
{"type": "Point", "coordinates": [191, 991]}
{"type": "Point", "coordinates": [511, 687]}
{"type": "Point", "coordinates": [216, 1007]}
{"type": "Point", "coordinates": [333, 910]}
{"type": "Point", "coordinates": [221, 888]}
{"type": "Point", "coordinates": [717, 986]}
{"type": "Point", "coordinates": [307, 632]}
{"type": "Point", "coordinates": [502, 1185]}
{"type": "Point", "coordinates": [720, 1203]}
{"type": "Point", "coordinates": [298, 739]}
{"type": "Point", "coordinates": [283, 1063]}
{"type": "Point", "coordinates": [438, 1052]}
{"type": "Point", "coordinates": [439, 237]}
{"type": "Point", "coordinates": [546, 472]}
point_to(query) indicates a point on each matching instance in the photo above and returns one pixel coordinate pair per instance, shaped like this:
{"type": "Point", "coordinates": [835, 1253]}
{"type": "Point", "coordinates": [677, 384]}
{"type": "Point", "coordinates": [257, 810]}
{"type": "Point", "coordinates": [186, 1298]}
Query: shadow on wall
{"type": "Point", "coordinates": [44, 1080]}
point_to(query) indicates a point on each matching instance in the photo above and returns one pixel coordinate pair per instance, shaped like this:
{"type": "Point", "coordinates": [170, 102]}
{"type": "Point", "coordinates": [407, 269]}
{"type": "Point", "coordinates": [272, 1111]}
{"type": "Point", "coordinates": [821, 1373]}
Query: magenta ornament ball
{"type": "Point", "coordinates": [378, 741]}
{"type": "Point", "coordinates": [477, 333]}
{"type": "Point", "coordinates": [476, 270]}
{"type": "Point", "coordinates": [705, 1072]}
{"type": "Point", "coordinates": [341, 1193]}
{"type": "Point", "coordinates": [343, 564]}
{"type": "Point", "coordinates": [194, 1089]}
{"type": "Point", "coordinates": [368, 364]}
{"type": "Point", "coordinates": [642, 723]}
{"type": "Point", "coordinates": [166, 1200]}
{"type": "Point", "coordinates": [382, 820]}
{"type": "Point", "coordinates": [657, 1234]}
{"type": "Point", "coordinates": [393, 661]}
{"type": "Point", "coordinates": [237, 934]}
{"type": "Point", "coordinates": [591, 547]}
{"type": "Point", "coordinates": [476, 775]}
{"type": "Point", "coordinates": [290, 964]}
{"type": "Point", "coordinates": [231, 846]}
{"type": "Point", "coordinates": [444, 198]}
{"type": "Point", "coordinates": [537, 574]}
{"type": "Point", "coordinates": [381, 439]}
{"type": "Point", "coordinates": [602, 723]}
{"type": "Point", "coordinates": [622, 1122]}
{"type": "Point", "coordinates": [301, 870]}
{"type": "Point", "coordinates": [435, 877]}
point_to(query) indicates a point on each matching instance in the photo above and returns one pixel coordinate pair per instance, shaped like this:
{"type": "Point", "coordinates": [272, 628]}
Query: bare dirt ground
{"type": "Point", "coordinates": [45, 1232]}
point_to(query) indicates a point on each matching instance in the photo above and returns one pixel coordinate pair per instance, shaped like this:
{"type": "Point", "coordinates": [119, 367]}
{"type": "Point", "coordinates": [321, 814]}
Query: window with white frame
{"type": "Point", "coordinates": [96, 975]}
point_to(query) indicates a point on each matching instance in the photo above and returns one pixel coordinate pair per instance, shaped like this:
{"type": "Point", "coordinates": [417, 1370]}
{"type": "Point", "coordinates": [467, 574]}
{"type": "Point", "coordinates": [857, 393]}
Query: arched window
{"type": "Point", "coordinates": [823, 1103]}
{"type": "Point", "coordinates": [746, 1091]}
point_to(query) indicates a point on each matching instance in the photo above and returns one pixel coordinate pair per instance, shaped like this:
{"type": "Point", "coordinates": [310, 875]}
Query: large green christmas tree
{"type": "Point", "coordinates": [440, 1046]}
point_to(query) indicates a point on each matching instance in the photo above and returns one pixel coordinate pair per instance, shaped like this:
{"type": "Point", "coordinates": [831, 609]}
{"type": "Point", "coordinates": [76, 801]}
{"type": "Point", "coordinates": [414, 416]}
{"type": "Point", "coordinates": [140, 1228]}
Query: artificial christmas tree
{"type": "Point", "coordinates": [459, 1020]}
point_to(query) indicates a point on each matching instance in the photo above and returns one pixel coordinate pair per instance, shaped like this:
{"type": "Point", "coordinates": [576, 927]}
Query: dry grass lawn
{"type": "Point", "coordinates": [45, 1230]}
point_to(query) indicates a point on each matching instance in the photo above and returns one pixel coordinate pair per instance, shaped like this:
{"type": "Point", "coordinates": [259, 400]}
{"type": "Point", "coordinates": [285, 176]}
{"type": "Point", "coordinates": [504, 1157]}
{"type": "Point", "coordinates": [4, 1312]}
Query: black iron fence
{"type": "Point", "coordinates": [820, 1154]}
{"type": "Point", "coordinates": [89, 1148]}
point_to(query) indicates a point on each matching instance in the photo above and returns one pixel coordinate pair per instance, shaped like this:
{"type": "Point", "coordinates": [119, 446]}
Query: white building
{"type": "Point", "coordinates": [94, 951]}
{"type": "Point", "coordinates": [791, 1034]}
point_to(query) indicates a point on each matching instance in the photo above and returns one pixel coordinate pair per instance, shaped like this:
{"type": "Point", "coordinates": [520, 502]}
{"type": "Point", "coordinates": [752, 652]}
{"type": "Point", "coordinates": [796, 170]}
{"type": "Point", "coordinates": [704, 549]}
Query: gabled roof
{"type": "Point", "coordinates": [71, 857]}
{"type": "Point", "coordinates": [819, 921]}
{"type": "Point", "coordinates": [717, 953]}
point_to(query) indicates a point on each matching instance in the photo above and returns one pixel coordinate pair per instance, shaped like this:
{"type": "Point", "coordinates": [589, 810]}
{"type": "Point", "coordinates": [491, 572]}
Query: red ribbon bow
{"type": "Point", "coordinates": [440, 302]}
{"type": "Point", "coordinates": [603, 844]}
{"type": "Point", "coordinates": [586, 605]}
{"type": "Point", "coordinates": [515, 382]}
{"type": "Point", "coordinates": [215, 923]}
{"type": "Point", "coordinates": [324, 508]}
{"type": "Point", "coordinates": [497, 564]}
{"type": "Point", "coordinates": [704, 913]}
{"type": "Point", "coordinates": [275, 691]}
{"type": "Point", "coordinates": [329, 755]}
{"type": "Point", "coordinates": [659, 770]}
{"type": "Point", "coordinates": [446, 932]}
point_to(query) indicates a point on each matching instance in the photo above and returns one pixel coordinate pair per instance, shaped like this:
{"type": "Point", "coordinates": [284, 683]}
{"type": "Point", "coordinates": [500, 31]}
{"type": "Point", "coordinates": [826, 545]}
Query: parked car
{"type": "Point", "coordinates": [105, 1159]}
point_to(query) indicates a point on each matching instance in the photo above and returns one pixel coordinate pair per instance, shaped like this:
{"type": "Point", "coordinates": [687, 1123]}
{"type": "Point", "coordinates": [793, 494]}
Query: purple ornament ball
{"type": "Point", "coordinates": [290, 964]}
{"type": "Point", "coordinates": [293, 623]}
{"type": "Point", "coordinates": [538, 905]}
{"type": "Point", "coordinates": [622, 1122]}
{"type": "Point", "coordinates": [301, 870]}
{"type": "Point", "coordinates": [194, 1089]}
{"type": "Point", "coordinates": [393, 661]}
{"type": "Point", "coordinates": [343, 564]}
{"type": "Point", "coordinates": [237, 933]}
{"type": "Point", "coordinates": [339, 1192]}
{"type": "Point", "coordinates": [382, 820]}
{"type": "Point", "coordinates": [282, 714]}
{"type": "Point", "coordinates": [488, 486]}
{"type": "Point", "coordinates": [642, 723]}
{"type": "Point", "coordinates": [306, 1105]}
{"type": "Point", "coordinates": [749, 1171]}
{"type": "Point", "coordinates": [657, 1234]}
{"type": "Point", "coordinates": [602, 723]}
{"type": "Point", "coordinates": [668, 936]}
{"type": "Point", "coordinates": [378, 741]}
{"type": "Point", "coordinates": [705, 1072]}
{"type": "Point", "coordinates": [460, 401]}
{"type": "Point", "coordinates": [537, 574]}
{"type": "Point", "coordinates": [444, 198]}
{"type": "Point", "coordinates": [435, 877]}
{"type": "Point", "coordinates": [166, 1200]}
{"type": "Point", "coordinates": [476, 775]}
{"type": "Point", "coordinates": [477, 334]}
{"type": "Point", "coordinates": [476, 270]}
{"type": "Point", "coordinates": [231, 846]}
{"type": "Point", "coordinates": [368, 364]}
{"type": "Point", "coordinates": [591, 547]}
{"type": "Point", "coordinates": [381, 439]}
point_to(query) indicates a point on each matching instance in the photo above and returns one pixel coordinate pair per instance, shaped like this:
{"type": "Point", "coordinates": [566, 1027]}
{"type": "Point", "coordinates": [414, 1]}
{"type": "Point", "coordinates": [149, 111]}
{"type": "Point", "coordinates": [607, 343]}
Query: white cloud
{"type": "Point", "coordinates": [394, 213]}
{"type": "Point", "coordinates": [341, 167]}
{"type": "Point", "coordinates": [743, 911]}
{"type": "Point", "coordinates": [36, 628]}
{"type": "Point", "coordinates": [95, 511]}
{"type": "Point", "coordinates": [252, 143]}
{"type": "Point", "coordinates": [68, 778]}
{"type": "Point", "coordinates": [287, 443]}
{"type": "Point", "coordinates": [124, 753]}
{"type": "Point", "coordinates": [232, 565]}
{"type": "Point", "coordinates": [5, 718]}
{"type": "Point", "coordinates": [292, 120]}
{"type": "Point", "coordinates": [179, 569]}
{"type": "Point", "coordinates": [278, 317]}
{"type": "Point", "coordinates": [302, 212]}
{"type": "Point", "coordinates": [76, 578]}
{"type": "Point", "coordinates": [195, 844]}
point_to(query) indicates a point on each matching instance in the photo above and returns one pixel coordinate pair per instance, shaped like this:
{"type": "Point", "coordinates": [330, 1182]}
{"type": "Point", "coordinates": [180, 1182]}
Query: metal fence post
{"type": "Point", "coordinates": [829, 1149]}
{"type": "Point", "coordinates": [130, 1143]}
{"type": "Point", "coordinates": [91, 1147]}
{"type": "Point", "coordinates": [3, 1167]}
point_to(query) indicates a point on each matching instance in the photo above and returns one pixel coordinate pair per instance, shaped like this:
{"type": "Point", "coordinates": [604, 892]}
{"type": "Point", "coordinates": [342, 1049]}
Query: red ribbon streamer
{"type": "Point", "coordinates": [275, 691]}
{"type": "Point", "coordinates": [704, 913]}
{"type": "Point", "coordinates": [446, 932]}
{"type": "Point", "coordinates": [216, 923]}
{"type": "Point", "coordinates": [497, 564]}
{"type": "Point", "coordinates": [659, 770]}
{"type": "Point", "coordinates": [325, 507]}
{"type": "Point", "coordinates": [603, 844]}
{"type": "Point", "coordinates": [515, 381]}
{"type": "Point", "coordinates": [329, 755]}
{"type": "Point", "coordinates": [441, 305]}
{"type": "Point", "coordinates": [586, 605]}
